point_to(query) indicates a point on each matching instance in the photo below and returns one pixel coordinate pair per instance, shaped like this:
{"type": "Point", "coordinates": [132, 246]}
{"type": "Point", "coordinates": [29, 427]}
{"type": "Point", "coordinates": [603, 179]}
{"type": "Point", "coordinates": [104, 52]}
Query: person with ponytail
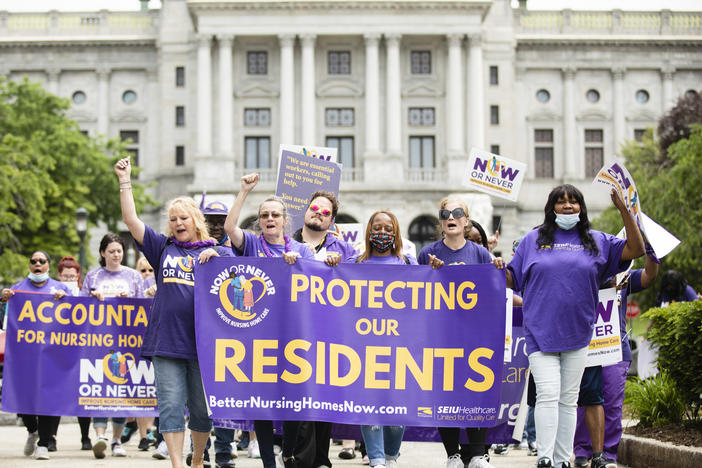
{"type": "Point", "coordinates": [558, 268]}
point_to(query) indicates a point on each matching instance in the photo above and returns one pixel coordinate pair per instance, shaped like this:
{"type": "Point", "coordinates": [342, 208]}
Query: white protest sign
{"type": "Point", "coordinates": [353, 233]}
{"type": "Point", "coordinates": [616, 176]}
{"type": "Point", "coordinates": [494, 174]}
{"type": "Point", "coordinates": [605, 347]}
{"type": "Point", "coordinates": [661, 240]}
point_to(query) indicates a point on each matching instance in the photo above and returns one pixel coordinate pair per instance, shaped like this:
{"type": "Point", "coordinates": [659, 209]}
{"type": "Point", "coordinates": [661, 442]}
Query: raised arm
{"type": "Point", "coordinates": [123, 169]}
{"type": "Point", "coordinates": [236, 235]}
{"type": "Point", "coordinates": [650, 271]}
{"type": "Point", "coordinates": [634, 247]}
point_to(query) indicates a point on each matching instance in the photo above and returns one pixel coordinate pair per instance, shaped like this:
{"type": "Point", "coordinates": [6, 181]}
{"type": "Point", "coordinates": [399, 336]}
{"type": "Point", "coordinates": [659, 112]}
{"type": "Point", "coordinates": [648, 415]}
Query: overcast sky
{"type": "Point", "coordinates": [94, 5]}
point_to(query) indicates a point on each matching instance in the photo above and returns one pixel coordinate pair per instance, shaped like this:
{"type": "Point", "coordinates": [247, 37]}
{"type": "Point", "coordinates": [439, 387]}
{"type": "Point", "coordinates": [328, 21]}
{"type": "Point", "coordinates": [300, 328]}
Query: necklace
{"type": "Point", "coordinates": [192, 245]}
{"type": "Point", "coordinates": [267, 250]}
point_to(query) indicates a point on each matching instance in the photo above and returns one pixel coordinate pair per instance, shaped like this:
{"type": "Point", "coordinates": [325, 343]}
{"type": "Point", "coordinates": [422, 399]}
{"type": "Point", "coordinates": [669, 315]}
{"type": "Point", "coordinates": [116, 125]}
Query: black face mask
{"type": "Point", "coordinates": [381, 241]}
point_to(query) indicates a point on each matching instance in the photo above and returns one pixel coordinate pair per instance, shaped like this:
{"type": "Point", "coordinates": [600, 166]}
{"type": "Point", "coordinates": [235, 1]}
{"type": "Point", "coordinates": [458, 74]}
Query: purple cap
{"type": "Point", "coordinates": [216, 208]}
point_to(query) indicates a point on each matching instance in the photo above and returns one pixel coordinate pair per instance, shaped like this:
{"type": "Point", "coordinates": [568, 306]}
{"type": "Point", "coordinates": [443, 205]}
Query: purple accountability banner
{"type": "Point", "coordinates": [78, 357]}
{"type": "Point", "coordinates": [357, 344]}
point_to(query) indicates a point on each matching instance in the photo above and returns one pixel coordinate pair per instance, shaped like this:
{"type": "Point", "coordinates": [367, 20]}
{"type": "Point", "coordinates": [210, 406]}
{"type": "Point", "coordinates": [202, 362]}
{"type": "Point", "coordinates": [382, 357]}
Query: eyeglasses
{"type": "Point", "coordinates": [69, 278]}
{"type": "Point", "coordinates": [324, 211]}
{"type": "Point", "coordinates": [457, 213]}
{"type": "Point", "coordinates": [144, 270]}
{"type": "Point", "coordinates": [40, 261]}
{"type": "Point", "coordinates": [273, 215]}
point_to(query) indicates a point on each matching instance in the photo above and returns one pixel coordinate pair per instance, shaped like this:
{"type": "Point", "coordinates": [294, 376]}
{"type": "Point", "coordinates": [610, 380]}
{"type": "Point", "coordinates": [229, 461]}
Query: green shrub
{"type": "Point", "coordinates": [677, 332]}
{"type": "Point", "coordinates": [654, 401]}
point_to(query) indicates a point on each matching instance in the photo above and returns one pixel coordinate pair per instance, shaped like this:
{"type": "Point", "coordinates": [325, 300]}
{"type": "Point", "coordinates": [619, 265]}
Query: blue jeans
{"type": "Point", "coordinates": [102, 422]}
{"type": "Point", "coordinates": [178, 383]}
{"type": "Point", "coordinates": [382, 443]}
{"type": "Point", "coordinates": [530, 427]}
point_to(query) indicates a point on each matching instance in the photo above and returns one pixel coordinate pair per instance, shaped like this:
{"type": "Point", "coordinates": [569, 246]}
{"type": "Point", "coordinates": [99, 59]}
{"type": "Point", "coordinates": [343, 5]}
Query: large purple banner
{"type": "Point", "coordinates": [77, 356]}
{"type": "Point", "coordinates": [356, 344]}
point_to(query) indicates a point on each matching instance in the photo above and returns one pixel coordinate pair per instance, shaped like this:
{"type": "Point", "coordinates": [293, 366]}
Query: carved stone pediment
{"type": "Point", "coordinates": [422, 90]}
{"type": "Point", "coordinates": [257, 89]}
{"type": "Point", "coordinates": [339, 88]}
{"type": "Point", "coordinates": [593, 115]}
{"type": "Point", "coordinates": [642, 115]}
{"type": "Point", "coordinates": [544, 115]}
{"type": "Point", "coordinates": [81, 115]}
{"type": "Point", "coordinates": [128, 117]}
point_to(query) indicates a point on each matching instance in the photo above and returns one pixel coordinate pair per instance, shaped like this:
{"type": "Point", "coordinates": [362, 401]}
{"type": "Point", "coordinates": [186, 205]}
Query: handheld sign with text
{"type": "Point", "coordinates": [299, 177]}
{"type": "Point", "coordinates": [605, 347]}
{"type": "Point", "coordinates": [615, 175]}
{"type": "Point", "coordinates": [494, 174]}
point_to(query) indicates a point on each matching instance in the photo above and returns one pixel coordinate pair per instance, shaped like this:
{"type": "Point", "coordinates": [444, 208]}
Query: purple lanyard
{"type": "Point", "coordinates": [267, 250]}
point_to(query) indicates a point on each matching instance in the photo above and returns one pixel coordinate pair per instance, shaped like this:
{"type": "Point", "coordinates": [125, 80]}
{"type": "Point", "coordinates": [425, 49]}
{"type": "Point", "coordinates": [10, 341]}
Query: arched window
{"type": "Point", "coordinates": [248, 223]}
{"type": "Point", "coordinates": [422, 231]}
{"type": "Point", "coordinates": [343, 218]}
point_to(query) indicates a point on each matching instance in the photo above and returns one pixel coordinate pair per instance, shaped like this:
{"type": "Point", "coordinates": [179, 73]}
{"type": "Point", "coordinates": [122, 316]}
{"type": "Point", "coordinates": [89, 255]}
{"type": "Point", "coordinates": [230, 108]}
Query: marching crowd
{"type": "Point", "coordinates": [556, 272]}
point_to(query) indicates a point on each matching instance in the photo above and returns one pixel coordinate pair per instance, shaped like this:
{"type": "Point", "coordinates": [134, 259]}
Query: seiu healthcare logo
{"type": "Point", "coordinates": [494, 174]}
{"type": "Point", "coordinates": [240, 290]}
{"type": "Point", "coordinates": [178, 270]}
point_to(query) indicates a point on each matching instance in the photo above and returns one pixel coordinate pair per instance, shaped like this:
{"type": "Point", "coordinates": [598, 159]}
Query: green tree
{"type": "Point", "coordinates": [48, 169]}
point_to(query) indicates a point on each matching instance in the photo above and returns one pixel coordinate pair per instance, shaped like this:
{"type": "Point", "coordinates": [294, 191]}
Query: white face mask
{"type": "Point", "coordinates": [567, 221]}
{"type": "Point", "coordinates": [38, 278]}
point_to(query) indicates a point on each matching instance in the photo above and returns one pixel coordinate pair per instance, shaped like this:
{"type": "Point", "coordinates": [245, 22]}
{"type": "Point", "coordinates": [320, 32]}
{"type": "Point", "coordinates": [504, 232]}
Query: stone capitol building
{"type": "Point", "coordinates": [206, 91]}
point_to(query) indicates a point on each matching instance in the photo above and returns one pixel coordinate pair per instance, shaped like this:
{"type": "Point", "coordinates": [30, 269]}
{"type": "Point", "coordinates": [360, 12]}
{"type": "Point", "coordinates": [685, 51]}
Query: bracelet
{"type": "Point", "coordinates": [128, 182]}
{"type": "Point", "coordinates": [124, 189]}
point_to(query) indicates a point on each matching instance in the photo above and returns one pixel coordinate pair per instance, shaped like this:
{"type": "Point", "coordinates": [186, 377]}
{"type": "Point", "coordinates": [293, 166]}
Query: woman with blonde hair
{"type": "Point", "coordinates": [169, 340]}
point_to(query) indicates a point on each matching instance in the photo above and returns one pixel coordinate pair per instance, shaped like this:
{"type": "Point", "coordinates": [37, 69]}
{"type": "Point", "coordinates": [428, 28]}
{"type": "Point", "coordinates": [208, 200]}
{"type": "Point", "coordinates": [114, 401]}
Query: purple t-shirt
{"type": "Point", "coordinates": [252, 248]}
{"type": "Point", "coordinates": [469, 254]}
{"type": "Point", "coordinates": [559, 285]}
{"type": "Point", "coordinates": [171, 330]}
{"type": "Point", "coordinates": [113, 283]}
{"type": "Point", "coordinates": [388, 260]}
{"type": "Point", "coordinates": [149, 281]}
{"type": "Point", "coordinates": [50, 287]}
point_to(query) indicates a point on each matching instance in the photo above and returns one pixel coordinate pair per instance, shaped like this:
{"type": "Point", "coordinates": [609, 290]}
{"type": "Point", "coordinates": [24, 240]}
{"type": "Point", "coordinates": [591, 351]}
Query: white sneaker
{"type": "Point", "coordinates": [454, 461]}
{"type": "Point", "coordinates": [99, 447]}
{"type": "Point", "coordinates": [523, 445]}
{"type": "Point", "coordinates": [391, 463]}
{"type": "Point", "coordinates": [117, 449]}
{"type": "Point", "coordinates": [234, 452]}
{"type": "Point", "coordinates": [480, 462]}
{"type": "Point", "coordinates": [365, 460]}
{"type": "Point", "coordinates": [32, 438]}
{"type": "Point", "coordinates": [41, 453]}
{"type": "Point", "coordinates": [161, 452]}
{"type": "Point", "coordinates": [253, 449]}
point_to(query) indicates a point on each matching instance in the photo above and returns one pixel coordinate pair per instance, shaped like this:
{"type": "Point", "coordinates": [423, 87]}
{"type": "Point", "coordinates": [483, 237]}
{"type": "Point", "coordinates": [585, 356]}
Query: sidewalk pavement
{"type": "Point", "coordinates": [414, 454]}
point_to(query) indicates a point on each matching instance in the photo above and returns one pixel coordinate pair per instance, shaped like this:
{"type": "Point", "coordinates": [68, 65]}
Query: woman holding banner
{"type": "Point", "coordinates": [454, 249]}
{"type": "Point", "coordinates": [558, 267]}
{"type": "Point", "coordinates": [169, 340]}
{"type": "Point", "coordinates": [272, 242]}
{"type": "Point", "coordinates": [39, 428]}
{"type": "Point", "coordinates": [383, 246]}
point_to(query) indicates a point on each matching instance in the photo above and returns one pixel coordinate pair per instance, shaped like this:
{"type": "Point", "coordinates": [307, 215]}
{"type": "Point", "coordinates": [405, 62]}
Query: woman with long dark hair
{"type": "Point", "coordinates": [558, 268]}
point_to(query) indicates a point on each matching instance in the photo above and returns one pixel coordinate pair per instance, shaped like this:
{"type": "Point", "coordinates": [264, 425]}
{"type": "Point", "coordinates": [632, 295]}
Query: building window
{"type": "Point", "coordinates": [422, 152]}
{"type": "Point", "coordinates": [495, 149]}
{"type": "Point", "coordinates": [494, 115]}
{"type": "Point", "coordinates": [339, 63]}
{"type": "Point", "coordinates": [494, 77]}
{"type": "Point", "coordinates": [642, 96]}
{"type": "Point", "coordinates": [132, 135]}
{"type": "Point", "coordinates": [421, 116]}
{"type": "Point", "coordinates": [339, 117]}
{"type": "Point", "coordinates": [180, 155]}
{"type": "Point", "coordinates": [258, 152]}
{"type": "Point", "coordinates": [257, 63]}
{"type": "Point", "coordinates": [257, 117]}
{"type": "Point", "coordinates": [592, 95]}
{"type": "Point", "coordinates": [129, 97]}
{"type": "Point", "coordinates": [422, 231]}
{"type": "Point", "coordinates": [543, 153]}
{"type": "Point", "coordinates": [180, 116]}
{"type": "Point", "coordinates": [690, 94]}
{"type": "Point", "coordinates": [594, 152]}
{"type": "Point", "coordinates": [344, 145]}
{"type": "Point", "coordinates": [639, 134]}
{"type": "Point", "coordinates": [78, 98]}
{"type": "Point", "coordinates": [180, 77]}
{"type": "Point", "coordinates": [543, 96]}
{"type": "Point", "coordinates": [420, 62]}
{"type": "Point", "coordinates": [84, 133]}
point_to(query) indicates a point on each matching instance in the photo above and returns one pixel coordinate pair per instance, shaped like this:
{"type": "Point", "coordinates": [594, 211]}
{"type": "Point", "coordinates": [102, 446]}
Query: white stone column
{"type": "Point", "coordinates": [204, 96]}
{"type": "Point", "coordinates": [570, 167]}
{"type": "Point", "coordinates": [393, 96]}
{"type": "Point", "coordinates": [372, 95]}
{"type": "Point", "coordinates": [454, 96]}
{"type": "Point", "coordinates": [618, 111]}
{"type": "Point", "coordinates": [52, 82]}
{"type": "Point", "coordinates": [287, 89]}
{"type": "Point", "coordinates": [476, 106]}
{"type": "Point", "coordinates": [522, 138]}
{"type": "Point", "coordinates": [309, 116]}
{"type": "Point", "coordinates": [150, 161]}
{"type": "Point", "coordinates": [226, 97]}
{"type": "Point", "coordinates": [103, 117]}
{"type": "Point", "coordinates": [668, 98]}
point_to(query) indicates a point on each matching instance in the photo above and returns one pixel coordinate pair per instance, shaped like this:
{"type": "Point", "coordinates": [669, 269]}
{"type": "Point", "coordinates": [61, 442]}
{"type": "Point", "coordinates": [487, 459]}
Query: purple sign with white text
{"type": "Point", "coordinates": [355, 344]}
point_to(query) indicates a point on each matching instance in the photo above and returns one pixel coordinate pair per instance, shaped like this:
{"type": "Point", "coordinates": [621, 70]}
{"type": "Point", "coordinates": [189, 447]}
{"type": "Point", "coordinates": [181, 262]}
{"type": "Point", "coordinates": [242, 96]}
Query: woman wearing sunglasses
{"type": "Point", "coordinates": [455, 249]}
{"type": "Point", "coordinates": [147, 273]}
{"type": "Point", "coordinates": [271, 242]}
{"type": "Point", "coordinates": [40, 428]}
